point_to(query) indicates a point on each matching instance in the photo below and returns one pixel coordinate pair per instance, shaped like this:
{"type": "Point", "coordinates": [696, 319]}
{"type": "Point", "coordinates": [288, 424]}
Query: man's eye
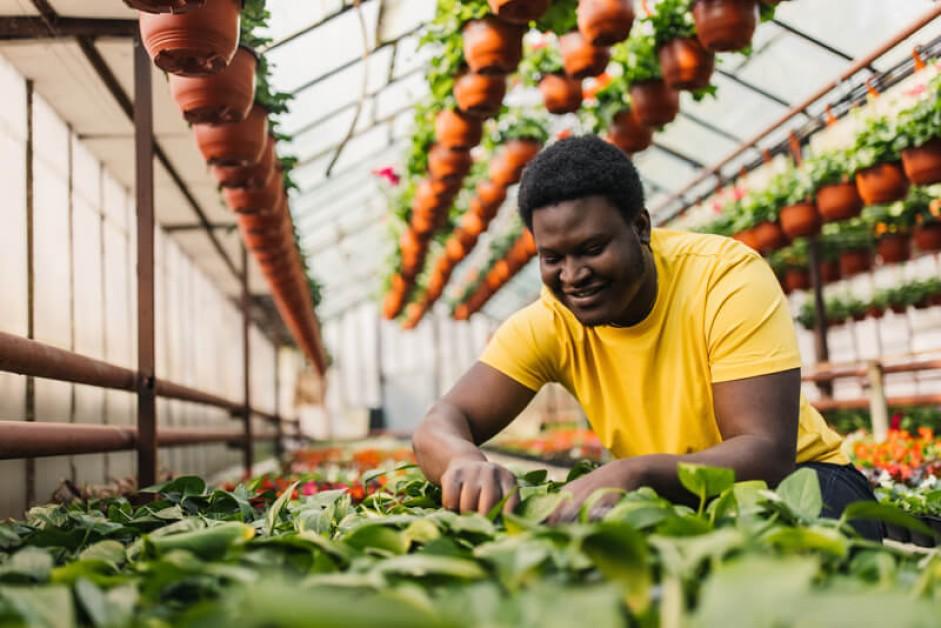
{"type": "Point", "coordinates": [550, 259]}
{"type": "Point", "coordinates": [595, 249]}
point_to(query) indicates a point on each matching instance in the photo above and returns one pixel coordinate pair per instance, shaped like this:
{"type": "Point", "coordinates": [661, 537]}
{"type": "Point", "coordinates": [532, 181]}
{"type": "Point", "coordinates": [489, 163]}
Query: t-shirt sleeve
{"type": "Point", "coordinates": [749, 331]}
{"type": "Point", "coordinates": [525, 347]}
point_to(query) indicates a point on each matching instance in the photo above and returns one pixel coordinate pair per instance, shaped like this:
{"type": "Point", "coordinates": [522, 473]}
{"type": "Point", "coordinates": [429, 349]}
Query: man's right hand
{"type": "Point", "coordinates": [470, 485]}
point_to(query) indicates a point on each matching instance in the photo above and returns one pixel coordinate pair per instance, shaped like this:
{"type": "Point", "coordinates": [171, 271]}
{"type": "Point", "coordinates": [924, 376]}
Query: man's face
{"type": "Point", "coordinates": [591, 258]}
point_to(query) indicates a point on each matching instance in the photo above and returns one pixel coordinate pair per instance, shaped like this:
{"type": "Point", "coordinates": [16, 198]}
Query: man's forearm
{"type": "Point", "coordinates": [443, 436]}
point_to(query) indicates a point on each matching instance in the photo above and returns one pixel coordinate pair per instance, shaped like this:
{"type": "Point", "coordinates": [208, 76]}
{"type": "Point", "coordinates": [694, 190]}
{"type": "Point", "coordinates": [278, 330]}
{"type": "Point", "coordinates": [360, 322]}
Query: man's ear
{"type": "Point", "coordinates": [643, 226]}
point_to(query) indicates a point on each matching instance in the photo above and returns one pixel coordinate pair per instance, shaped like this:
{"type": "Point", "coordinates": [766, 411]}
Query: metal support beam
{"type": "Point", "coordinates": [672, 152]}
{"type": "Point", "coordinates": [813, 40]}
{"type": "Point", "coordinates": [144, 189]}
{"type": "Point", "coordinates": [710, 127]}
{"type": "Point", "coordinates": [753, 88]}
{"type": "Point", "coordinates": [249, 451]}
{"type": "Point", "coordinates": [198, 226]}
{"type": "Point", "coordinates": [17, 28]}
{"type": "Point", "coordinates": [321, 22]}
{"type": "Point", "coordinates": [821, 346]}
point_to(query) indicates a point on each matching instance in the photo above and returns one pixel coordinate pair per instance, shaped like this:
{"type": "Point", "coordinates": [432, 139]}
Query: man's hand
{"type": "Point", "coordinates": [470, 485]}
{"type": "Point", "coordinates": [620, 475]}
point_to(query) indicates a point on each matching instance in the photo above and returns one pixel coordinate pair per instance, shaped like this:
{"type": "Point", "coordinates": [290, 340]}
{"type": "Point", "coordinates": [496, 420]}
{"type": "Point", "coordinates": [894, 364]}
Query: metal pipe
{"type": "Point", "coordinates": [169, 390]}
{"type": "Point", "coordinates": [19, 439]}
{"type": "Point", "coordinates": [861, 371]}
{"type": "Point", "coordinates": [248, 448]}
{"type": "Point", "coordinates": [860, 64]}
{"type": "Point", "coordinates": [851, 404]}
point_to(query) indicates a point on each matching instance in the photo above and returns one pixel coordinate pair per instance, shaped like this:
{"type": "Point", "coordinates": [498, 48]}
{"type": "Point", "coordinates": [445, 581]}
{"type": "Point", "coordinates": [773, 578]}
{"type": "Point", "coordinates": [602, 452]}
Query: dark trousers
{"type": "Point", "coordinates": [841, 485]}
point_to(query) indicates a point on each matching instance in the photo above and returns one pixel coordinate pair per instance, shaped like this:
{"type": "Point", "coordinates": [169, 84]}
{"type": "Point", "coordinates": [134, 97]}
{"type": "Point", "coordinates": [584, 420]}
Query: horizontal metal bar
{"type": "Point", "coordinates": [861, 371]}
{"type": "Point", "coordinates": [825, 405]}
{"type": "Point", "coordinates": [169, 390]}
{"type": "Point", "coordinates": [198, 226]}
{"type": "Point", "coordinates": [13, 28]}
{"type": "Point", "coordinates": [21, 439]}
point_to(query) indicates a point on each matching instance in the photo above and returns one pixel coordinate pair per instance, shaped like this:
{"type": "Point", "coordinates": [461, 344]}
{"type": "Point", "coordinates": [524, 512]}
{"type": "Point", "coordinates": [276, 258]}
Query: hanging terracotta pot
{"type": "Point", "coordinates": [422, 223]}
{"type": "Point", "coordinates": [882, 183]}
{"type": "Point", "coordinates": [654, 103]}
{"type": "Point", "coordinates": [456, 130]}
{"type": "Point", "coordinates": [922, 164]}
{"type": "Point", "coordinates": [725, 25]}
{"type": "Point", "coordinates": [520, 152]}
{"type": "Point", "coordinates": [219, 98]}
{"type": "Point", "coordinates": [518, 11]}
{"type": "Point", "coordinates": [894, 248]}
{"type": "Point", "coordinates": [195, 43]}
{"type": "Point", "coordinates": [829, 270]}
{"type": "Point", "coordinates": [432, 195]}
{"type": "Point", "coordinates": [480, 95]}
{"type": "Point", "coordinates": [165, 6]}
{"type": "Point", "coordinates": [838, 201]}
{"type": "Point", "coordinates": [412, 248]}
{"type": "Point", "coordinates": [454, 250]}
{"type": "Point", "coordinates": [580, 59]}
{"type": "Point", "coordinates": [799, 220]}
{"type": "Point", "coordinates": [855, 261]}
{"type": "Point", "coordinates": [747, 237]}
{"type": "Point", "coordinates": [628, 134]}
{"type": "Point", "coordinates": [605, 22]}
{"type": "Point", "coordinates": [769, 236]}
{"type": "Point", "coordinates": [492, 46]}
{"type": "Point", "coordinates": [796, 279]}
{"type": "Point", "coordinates": [251, 200]}
{"type": "Point", "coordinates": [898, 308]}
{"type": "Point", "coordinates": [448, 164]}
{"type": "Point", "coordinates": [490, 196]}
{"type": "Point", "coordinates": [560, 93]}
{"type": "Point", "coordinates": [254, 176]}
{"type": "Point", "coordinates": [927, 236]}
{"type": "Point", "coordinates": [236, 144]}
{"type": "Point", "coordinates": [502, 172]}
{"type": "Point", "coordinates": [686, 64]}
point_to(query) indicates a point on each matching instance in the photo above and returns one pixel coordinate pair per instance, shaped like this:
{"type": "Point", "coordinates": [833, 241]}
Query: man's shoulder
{"type": "Point", "coordinates": [702, 250]}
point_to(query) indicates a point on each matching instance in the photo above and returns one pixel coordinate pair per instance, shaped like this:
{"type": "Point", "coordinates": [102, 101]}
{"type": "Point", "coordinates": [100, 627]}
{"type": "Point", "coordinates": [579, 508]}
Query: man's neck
{"type": "Point", "coordinates": [646, 298]}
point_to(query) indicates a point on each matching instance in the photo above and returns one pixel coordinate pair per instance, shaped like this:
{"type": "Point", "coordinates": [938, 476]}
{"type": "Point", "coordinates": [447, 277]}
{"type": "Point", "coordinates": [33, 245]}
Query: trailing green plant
{"type": "Point", "coordinates": [540, 61]}
{"type": "Point", "coordinates": [807, 315]}
{"type": "Point", "coordinates": [597, 113]}
{"type": "Point", "coordinates": [671, 19]}
{"type": "Point", "coordinates": [792, 256]}
{"type": "Point", "coordinates": [829, 168]}
{"type": "Point", "coordinates": [921, 123]}
{"type": "Point", "coordinates": [849, 235]}
{"type": "Point", "coordinates": [637, 56]}
{"type": "Point", "coordinates": [787, 188]}
{"type": "Point", "coordinates": [720, 225]}
{"type": "Point", "coordinates": [876, 142]}
{"type": "Point", "coordinates": [560, 18]}
{"type": "Point", "coordinates": [521, 124]}
{"type": "Point", "coordinates": [897, 217]}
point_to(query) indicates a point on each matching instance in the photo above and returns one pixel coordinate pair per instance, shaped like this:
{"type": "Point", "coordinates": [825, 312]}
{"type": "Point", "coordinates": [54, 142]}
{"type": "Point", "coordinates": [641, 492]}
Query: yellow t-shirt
{"type": "Point", "coordinates": [720, 315]}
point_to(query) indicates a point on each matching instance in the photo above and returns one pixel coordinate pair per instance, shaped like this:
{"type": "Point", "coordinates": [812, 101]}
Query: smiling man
{"type": "Point", "coordinates": [679, 347]}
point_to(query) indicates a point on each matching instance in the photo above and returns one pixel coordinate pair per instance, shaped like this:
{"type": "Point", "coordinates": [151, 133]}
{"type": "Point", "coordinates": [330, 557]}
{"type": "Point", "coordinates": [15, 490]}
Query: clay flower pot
{"type": "Point", "coordinates": [422, 223]}
{"type": "Point", "coordinates": [882, 183]}
{"type": "Point", "coordinates": [198, 42]}
{"type": "Point", "coordinates": [252, 200]}
{"type": "Point", "coordinates": [605, 22]}
{"type": "Point", "coordinates": [855, 261]}
{"type": "Point", "coordinates": [581, 59]}
{"type": "Point", "coordinates": [894, 248]}
{"type": "Point", "coordinates": [769, 236]}
{"type": "Point", "coordinates": [519, 152]}
{"type": "Point", "coordinates": [480, 95]}
{"type": "Point", "coordinates": [254, 176]}
{"type": "Point", "coordinates": [432, 195]}
{"type": "Point", "coordinates": [219, 98]}
{"type": "Point", "coordinates": [799, 220]}
{"type": "Point", "coordinates": [838, 201]}
{"type": "Point", "coordinates": [725, 25]}
{"type": "Point", "coordinates": [456, 130]}
{"type": "Point", "coordinates": [448, 164]}
{"type": "Point", "coordinates": [560, 93]}
{"type": "Point", "coordinates": [502, 172]}
{"type": "Point", "coordinates": [829, 270]}
{"type": "Point", "coordinates": [236, 144]}
{"type": "Point", "coordinates": [654, 103]}
{"type": "Point", "coordinates": [747, 237]}
{"type": "Point", "coordinates": [927, 236]}
{"type": "Point", "coordinates": [491, 197]}
{"type": "Point", "coordinates": [518, 11]}
{"type": "Point", "coordinates": [628, 134]}
{"type": "Point", "coordinates": [922, 164]}
{"type": "Point", "coordinates": [686, 64]}
{"type": "Point", "coordinates": [165, 6]}
{"type": "Point", "coordinates": [492, 46]}
{"type": "Point", "coordinates": [413, 248]}
{"type": "Point", "coordinates": [796, 279]}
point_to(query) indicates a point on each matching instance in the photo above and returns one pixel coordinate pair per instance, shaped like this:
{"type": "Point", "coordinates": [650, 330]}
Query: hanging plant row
{"type": "Point", "coordinates": [919, 294]}
{"type": "Point", "coordinates": [221, 85]}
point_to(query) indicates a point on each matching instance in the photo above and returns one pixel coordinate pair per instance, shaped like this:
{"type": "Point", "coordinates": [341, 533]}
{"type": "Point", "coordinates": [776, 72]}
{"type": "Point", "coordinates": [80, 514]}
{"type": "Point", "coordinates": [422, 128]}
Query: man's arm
{"type": "Point", "coordinates": [758, 419]}
{"type": "Point", "coordinates": [480, 404]}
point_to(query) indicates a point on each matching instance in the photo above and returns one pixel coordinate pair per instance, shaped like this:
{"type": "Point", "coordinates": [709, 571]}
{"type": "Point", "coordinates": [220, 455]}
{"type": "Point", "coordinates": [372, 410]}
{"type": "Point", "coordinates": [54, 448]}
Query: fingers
{"type": "Point", "coordinates": [508, 487]}
{"type": "Point", "coordinates": [478, 487]}
{"type": "Point", "coordinates": [451, 489]}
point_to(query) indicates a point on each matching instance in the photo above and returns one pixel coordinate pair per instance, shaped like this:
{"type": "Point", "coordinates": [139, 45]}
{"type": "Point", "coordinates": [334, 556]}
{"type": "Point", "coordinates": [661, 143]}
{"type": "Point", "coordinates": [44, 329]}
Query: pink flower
{"type": "Point", "coordinates": [388, 173]}
{"type": "Point", "coordinates": [309, 488]}
{"type": "Point", "coordinates": [738, 193]}
{"type": "Point", "coordinates": [917, 90]}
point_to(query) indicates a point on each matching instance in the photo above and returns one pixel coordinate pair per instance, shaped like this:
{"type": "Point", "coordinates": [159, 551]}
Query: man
{"type": "Point", "coordinates": [679, 347]}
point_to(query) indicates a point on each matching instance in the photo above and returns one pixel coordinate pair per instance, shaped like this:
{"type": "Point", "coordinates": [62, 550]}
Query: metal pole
{"type": "Point", "coordinates": [279, 420]}
{"type": "Point", "coordinates": [878, 407]}
{"type": "Point", "coordinates": [820, 310]}
{"type": "Point", "coordinates": [144, 158]}
{"type": "Point", "coordinates": [30, 392]}
{"type": "Point", "coordinates": [249, 453]}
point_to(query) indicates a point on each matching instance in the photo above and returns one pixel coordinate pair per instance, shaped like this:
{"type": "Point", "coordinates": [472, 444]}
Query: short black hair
{"type": "Point", "coordinates": [577, 167]}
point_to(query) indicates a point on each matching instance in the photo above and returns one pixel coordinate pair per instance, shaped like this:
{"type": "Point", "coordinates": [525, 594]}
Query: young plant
{"type": "Point", "coordinates": [829, 168]}
{"type": "Point", "coordinates": [540, 61]}
{"type": "Point", "coordinates": [876, 143]}
{"type": "Point", "coordinates": [518, 124]}
{"type": "Point", "coordinates": [921, 123]}
{"type": "Point", "coordinates": [671, 19]}
{"type": "Point", "coordinates": [560, 18]}
{"type": "Point", "coordinates": [637, 56]}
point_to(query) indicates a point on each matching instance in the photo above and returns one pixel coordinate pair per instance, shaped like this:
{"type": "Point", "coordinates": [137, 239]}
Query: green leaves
{"type": "Point", "coordinates": [800, 491]}
{"type": "Point", "coordinates": [704, 481]}
{"type": "Point", "coordinates": [209, 543]}
{"type": "Point", "coordinates": [885, 513]}
{"type": "Point", "coordinates": [620, 554]}
{"type": "Point", "coordinates": [274, 513]}
{"type": "Point", "coordinates": [30, 564]}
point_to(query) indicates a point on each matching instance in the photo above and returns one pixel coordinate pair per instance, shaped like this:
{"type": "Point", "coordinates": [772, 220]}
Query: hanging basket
{"type": "Point", "coordinates": [686, 64]}
{"type": "Point", "coordinates": [829, 270]}
{"type": "Point", "coordinates": [480, 95]}
{"type": "Point", "coordinates": [580, 59]}
{"type": "Point", "coordinates": [219, 98]}
{"type": "Point", "coordinates": [518, 11]}
{"type": "Point", "coordinates": [854, 262]}
{"type": "Point", "coordinates": [198, 42]}
{"type": "Point", "coordinates": [456, 130]}
{"type": "Point", "coordinates": [628, 134]}
{"type": "Point", "coordinates": [560, 93]}
{"type": "Point", "coordinates": [923, 164]}
{"type": "Point", "coordinates": [165, 6]}
{"type": "Point", "coordinates": [796, 279]}
{"type": "Point", "coordinates": [882, 183]}
{"type": "Point", "coordinates": [254, 176]}
{"type": "Point", "coordinates": [838, 201]}
{"type": "Point", "coordinates": [488, 199]}
{"type": "Point", "coordinates": [448, 164]}
{"type": "Point", "coordinates": [252, 200]}
{"type": "Point", "coordinates": [654, 103]}
{"type": "Point", "coordinates": [769, 236]}
{"type": "Point", "coordinates": [894, 248]}
{"type": "Point", "coordinates": [725, 25]}
{"type": "Point", "coordinates": [799, 220]}
{"type": "Point", "coordinates": [747, 237]}
{"type": "Point", "coordinates": [492, 46]}
{"type": "Point", "coordinates": [520, 152]}
{"type": "Point", "coordinates": [605, 22]}
{"type": "Point", "coordinates": [412, 248]}
{"type": "Point", "coordinates": [927, 236]}
{"type": "Point", "coordinates": [236, 144]}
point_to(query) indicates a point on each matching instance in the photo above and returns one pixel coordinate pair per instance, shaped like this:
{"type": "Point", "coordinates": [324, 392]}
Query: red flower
{"type": "Point", "coordinates": [896, 422]}
{"type": "Point", "coordinates": [388, 173]}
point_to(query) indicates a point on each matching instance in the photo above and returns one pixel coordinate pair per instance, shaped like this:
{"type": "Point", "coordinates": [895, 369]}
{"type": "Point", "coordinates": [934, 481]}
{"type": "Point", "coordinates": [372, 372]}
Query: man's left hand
{"type": "Point", "coordinates": [620, 475]}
